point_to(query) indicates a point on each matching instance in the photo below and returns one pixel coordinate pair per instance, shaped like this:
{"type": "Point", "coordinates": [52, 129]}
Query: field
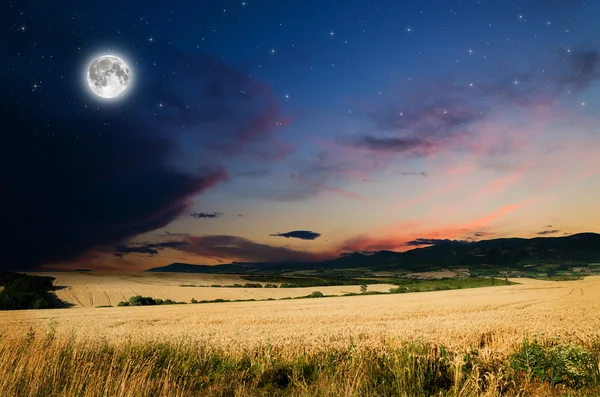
{"type": "Point", "coordinates": [108, 289]}
{"type": "Point", "coordinates": [486, 324]}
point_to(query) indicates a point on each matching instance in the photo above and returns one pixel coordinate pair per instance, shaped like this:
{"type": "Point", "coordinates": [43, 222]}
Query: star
{"type": "Point", "coordinates": [332, 33]}
{"type": "Point", "coordinates": [408, 29]}
{"type": "Point", "coordinates": [287, 96]}
{"type": "Point", "coordinates": [272, 51]}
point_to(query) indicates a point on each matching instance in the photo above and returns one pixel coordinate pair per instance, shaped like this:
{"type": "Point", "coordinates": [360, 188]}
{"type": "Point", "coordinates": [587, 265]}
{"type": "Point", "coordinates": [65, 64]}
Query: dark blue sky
{"type": "Point", "coordinates": [327, 118]}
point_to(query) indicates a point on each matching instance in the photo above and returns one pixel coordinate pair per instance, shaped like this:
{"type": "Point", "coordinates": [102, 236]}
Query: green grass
{"type": "Point", "coordinates": [564, 278]}
{"type": "Point", "coordinates": [416, 285]}
{"type": "Point", "coordinates": [187, 368]}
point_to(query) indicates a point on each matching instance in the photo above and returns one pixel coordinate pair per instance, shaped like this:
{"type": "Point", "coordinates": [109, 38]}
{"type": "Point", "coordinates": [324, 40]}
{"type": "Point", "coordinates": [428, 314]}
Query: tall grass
{"type": "Point", "coordinates": [45, 364]}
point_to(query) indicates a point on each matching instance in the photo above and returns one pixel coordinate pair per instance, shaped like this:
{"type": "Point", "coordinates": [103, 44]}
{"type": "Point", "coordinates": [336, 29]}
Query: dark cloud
{"type": "Point", "coordinates": [233, 248]}
{"type": "Point", "coordinates": [544, 232]}
{"type": "Point", "coordinates": [208, 215]}
{"type": "Point", "coordinates": [78, 173]}
{"type": "Point", "coordinates": [483, 234]}
{"type": "Point", "coordinates": [407, 173]}
{"type": "Point", "coordinates": [300, 234]}
{"type": "Point", "coordinates": [147, 248]}
{"type": "Point", "coordinates": [413, 145]}
{"type": "Point", "coordinates": [432, 241]}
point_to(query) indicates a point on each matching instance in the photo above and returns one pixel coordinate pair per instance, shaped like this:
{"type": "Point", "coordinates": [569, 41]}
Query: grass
{"type": "Point", "coordinates": [47, 364]}
{"type": "Point", "coordinates": [416, 285]}
{"type": "Point", "coordinates": [564, 278]}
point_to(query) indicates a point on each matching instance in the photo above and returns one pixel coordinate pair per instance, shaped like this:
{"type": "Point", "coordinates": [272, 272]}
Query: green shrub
{"type": "Point", "coordinates": [316, 294]}
{"type": "Point", "coordinates": [22, 291]}
{"type": "Point", "coordinates": [566, 364]}
{"type": "Point", "coordinates": [139, 300]}
{"type": "Point", "coordinates": [253, 285]}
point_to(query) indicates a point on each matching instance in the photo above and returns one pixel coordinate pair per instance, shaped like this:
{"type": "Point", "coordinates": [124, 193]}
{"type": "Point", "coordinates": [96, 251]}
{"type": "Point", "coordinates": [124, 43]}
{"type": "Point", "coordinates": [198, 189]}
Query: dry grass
{"type": "Point", "coordinates": [493, 320]}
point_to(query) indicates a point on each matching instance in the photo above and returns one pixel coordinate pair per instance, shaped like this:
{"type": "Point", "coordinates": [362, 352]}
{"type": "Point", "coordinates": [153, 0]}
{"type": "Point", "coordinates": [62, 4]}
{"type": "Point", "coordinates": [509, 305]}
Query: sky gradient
{"type": "Point", "coordinates": [295, 130]}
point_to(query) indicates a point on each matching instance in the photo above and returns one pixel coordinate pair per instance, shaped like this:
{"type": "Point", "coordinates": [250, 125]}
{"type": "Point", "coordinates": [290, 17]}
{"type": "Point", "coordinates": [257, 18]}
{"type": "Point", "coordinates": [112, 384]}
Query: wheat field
{"type": "Point", "coordinates": [466, 342]}
{"type": "Point", "coordinates": [454, 318]}
{"type": "Point", "coordinates": [91, 289]}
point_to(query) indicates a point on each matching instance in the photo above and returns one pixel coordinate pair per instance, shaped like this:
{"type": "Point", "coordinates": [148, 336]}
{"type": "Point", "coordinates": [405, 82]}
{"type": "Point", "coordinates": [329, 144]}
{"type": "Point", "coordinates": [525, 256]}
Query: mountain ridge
{"type": "Point", "coordinates": [509, 253]}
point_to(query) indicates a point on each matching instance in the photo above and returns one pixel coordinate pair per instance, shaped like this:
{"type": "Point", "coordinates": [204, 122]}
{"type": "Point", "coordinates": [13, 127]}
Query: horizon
{"type": "Point", "coordinates": [340, 255]}
{"type": "Point", "coordinates": [251, 136]}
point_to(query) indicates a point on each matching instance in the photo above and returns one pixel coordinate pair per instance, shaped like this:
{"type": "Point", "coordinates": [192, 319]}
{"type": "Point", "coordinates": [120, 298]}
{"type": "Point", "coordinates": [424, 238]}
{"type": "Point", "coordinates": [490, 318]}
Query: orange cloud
{"type": "Point", "coordinates": [413, 230]}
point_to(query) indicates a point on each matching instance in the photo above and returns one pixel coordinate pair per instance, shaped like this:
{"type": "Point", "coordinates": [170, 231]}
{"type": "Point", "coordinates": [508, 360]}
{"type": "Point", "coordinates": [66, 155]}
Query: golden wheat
{"type": "Point", "coordinates": [454, 318]}
{"type": "Point", "coordinates": [116, 351]}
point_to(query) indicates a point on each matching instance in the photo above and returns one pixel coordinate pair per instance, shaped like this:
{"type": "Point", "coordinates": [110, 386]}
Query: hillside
{"type": "Point", "coordinates": [531, 257]}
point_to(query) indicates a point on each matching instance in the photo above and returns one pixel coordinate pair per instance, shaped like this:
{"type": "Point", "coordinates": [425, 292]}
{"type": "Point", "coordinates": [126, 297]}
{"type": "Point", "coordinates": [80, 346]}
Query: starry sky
{"type": "Point", "coordinates": [294, 130]}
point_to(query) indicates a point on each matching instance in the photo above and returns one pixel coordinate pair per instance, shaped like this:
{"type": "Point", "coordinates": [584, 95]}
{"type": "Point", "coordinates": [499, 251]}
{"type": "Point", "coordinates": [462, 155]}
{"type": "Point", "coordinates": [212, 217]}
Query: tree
{"type": "Point", "coordinates": [363, 288]}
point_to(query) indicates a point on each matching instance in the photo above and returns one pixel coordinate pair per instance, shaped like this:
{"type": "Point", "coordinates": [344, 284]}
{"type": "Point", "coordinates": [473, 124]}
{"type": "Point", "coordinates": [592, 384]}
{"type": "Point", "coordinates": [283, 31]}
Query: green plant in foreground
{"type": "Point", "coordinates": [567, 364]}
{"type": "Point", "coordinates": [46, 365]}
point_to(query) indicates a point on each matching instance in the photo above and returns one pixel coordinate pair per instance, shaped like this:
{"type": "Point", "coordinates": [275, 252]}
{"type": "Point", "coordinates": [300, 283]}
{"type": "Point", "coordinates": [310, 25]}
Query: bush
{"type": "Point", "coordinates": [564, 364]}
{"type": "Point", "coordinates": [253, 285]}
{"type": "Point", "coordinates": [316, 294]}
{"type": "Point", "coordinates": [398, 290]}
{"type": "Point", "coordinates": [139, 300]}
{"type": "Point", "coordinates": [193, 300]}
{"type": "Point", "coordinates": [22, 291]}
{"type": "Point", "coordinates": [271, 286]}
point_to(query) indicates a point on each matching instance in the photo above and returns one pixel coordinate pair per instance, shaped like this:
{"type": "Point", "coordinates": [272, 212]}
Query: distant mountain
{"type": "Point", "coordinates": [503, 252]}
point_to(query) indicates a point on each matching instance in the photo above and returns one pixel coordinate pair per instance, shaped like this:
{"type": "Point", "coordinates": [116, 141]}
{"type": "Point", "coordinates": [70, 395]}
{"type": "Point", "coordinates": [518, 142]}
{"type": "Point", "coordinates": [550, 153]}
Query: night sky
{"type": "Point", "coordinates": [294, 130]}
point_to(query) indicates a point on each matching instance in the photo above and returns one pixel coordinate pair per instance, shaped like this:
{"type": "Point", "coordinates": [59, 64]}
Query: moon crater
{"type": "Point", "coordinates": [108, 76]}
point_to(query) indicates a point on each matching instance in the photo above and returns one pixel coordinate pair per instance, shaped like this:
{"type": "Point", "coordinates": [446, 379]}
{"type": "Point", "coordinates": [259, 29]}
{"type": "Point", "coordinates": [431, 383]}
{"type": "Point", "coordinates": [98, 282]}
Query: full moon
{"type": "Point", "coordinates": [108, 76]}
